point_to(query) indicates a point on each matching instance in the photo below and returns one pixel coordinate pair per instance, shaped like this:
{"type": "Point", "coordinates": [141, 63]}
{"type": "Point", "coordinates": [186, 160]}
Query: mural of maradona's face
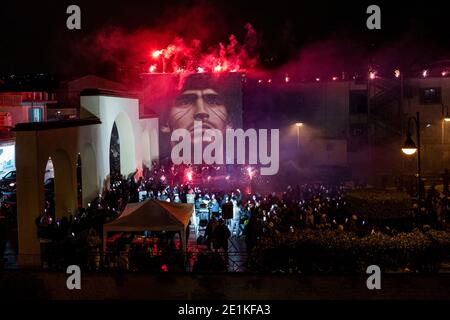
{"type": "Point", "coordinates": [194, 98]}
{"type": "Point", "coordinates": [204, 105]}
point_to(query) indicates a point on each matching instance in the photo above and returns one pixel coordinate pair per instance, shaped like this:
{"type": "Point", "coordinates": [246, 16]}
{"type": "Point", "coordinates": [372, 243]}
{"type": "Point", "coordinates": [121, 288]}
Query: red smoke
{"type": "Point", "coordinates": [183, 38]}
{"type": "Point", "coordinates": [180, 56]}
{"type": "Point", "coordinates": [144, 51]}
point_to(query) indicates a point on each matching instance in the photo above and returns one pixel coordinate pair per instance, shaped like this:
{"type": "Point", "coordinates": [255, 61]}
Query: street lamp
{"type": "Point", "coordinates": [298, 125]}
{"type": "Point", "coordinates": [447, 115]}
{"type": "Point", "coordinates": [446, 118]}
{"type": "Point", "coordinates": [410, 148]}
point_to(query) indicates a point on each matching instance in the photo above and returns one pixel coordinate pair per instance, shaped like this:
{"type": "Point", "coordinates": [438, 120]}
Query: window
{"type": "Point", "coordinates": [358, 102]}
{"type": "Point", "coordinates": [430, 96]}
{"type": "Point", "coordinates": [35, 115]}
{"type": "Point", "coordinates": [10, 175]}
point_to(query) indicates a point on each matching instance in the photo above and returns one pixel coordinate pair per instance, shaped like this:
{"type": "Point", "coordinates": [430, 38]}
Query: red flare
{"type": "Point", "coordinates": [157, 53]}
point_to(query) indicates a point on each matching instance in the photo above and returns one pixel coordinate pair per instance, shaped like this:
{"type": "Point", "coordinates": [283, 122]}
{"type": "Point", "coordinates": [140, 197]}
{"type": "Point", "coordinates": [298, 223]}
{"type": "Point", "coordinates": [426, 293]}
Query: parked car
{"type": "Point", "coordinates": [8, 181]}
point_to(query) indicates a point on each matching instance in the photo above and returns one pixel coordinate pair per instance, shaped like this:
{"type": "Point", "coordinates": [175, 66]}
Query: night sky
{"type": "Point", "coordinates": [34, 36]}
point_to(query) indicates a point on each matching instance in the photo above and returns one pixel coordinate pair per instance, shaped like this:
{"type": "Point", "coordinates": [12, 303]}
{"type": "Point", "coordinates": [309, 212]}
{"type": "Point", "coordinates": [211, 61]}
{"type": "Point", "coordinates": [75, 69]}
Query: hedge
{"type": "Point", "coordinates": [313, 251]}
{"type": "Point", "coordinates": [378, 204]}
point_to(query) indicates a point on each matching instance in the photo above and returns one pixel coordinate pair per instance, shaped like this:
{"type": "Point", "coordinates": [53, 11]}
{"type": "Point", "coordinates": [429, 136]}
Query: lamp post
{"type": "Point", "coordinates": [298, 125]}
{"type": "Point", "coordinates": [409, 148]}
{"type": "Point", "coordinates": [446, 115]}
{"type": "Point", "coordinates": [445, 118]}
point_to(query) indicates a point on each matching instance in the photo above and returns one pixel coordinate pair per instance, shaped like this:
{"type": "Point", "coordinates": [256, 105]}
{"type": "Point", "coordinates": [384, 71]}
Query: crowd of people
{"type": "Point", "coordinates": [76, 238]}
{"type": "Point", "coordinates": [432, 210]}
{"type": "Point", "coordinates": [219, 215]}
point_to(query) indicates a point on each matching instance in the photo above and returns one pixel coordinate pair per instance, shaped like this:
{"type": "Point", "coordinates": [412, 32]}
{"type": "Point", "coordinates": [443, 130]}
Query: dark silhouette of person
{"type": "Point", "coordinates": [221, 235]}
{"type": "Point", "coordinates": [209, 232]}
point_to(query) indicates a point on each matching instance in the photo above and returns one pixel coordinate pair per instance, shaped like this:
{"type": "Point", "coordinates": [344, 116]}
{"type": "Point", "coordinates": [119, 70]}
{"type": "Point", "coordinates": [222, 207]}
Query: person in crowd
{"type": "Point", "coordinates": [236, 199]}
{"type": "Point", "coordinates": [312, 206]}
{"type": "Point", "coordinates": [45, 234]}
{"type": "Point", "coordinates": [209, 232]}
{"type": "Point", "coordinates": [251, 233]}
{"type": "Point", "coordinates": [215, 206]}
{"type": "Point", "coordinates": [221, 235]}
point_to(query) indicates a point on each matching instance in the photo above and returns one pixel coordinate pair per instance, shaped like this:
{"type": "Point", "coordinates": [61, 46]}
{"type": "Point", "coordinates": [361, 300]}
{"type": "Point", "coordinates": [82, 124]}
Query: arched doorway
{"type": "Point", "coordinates": [49, 188]}
{"type": "Point", "coordinates": [114, 153]}
{"type": "Point", "coordinates": [122, 147]}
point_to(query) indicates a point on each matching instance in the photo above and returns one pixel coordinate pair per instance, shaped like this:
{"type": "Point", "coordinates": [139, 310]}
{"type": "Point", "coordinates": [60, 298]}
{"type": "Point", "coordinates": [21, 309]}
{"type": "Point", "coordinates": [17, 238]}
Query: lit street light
{"type": "Point", "coordinates": [298, 125]}
{"type": "Point", "coordinates": [447, 115]}
{"type": "Point", "coordinates": [445, 118]}
{"type": "Point", "coordinates": [410, 148]}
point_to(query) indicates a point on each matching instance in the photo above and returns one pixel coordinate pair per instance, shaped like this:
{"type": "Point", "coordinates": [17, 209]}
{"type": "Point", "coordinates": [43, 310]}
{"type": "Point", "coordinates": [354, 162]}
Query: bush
{"type": "Point", "coordinates": [378, 204]}
{"type": "Point", "coordinates": [333, 251]}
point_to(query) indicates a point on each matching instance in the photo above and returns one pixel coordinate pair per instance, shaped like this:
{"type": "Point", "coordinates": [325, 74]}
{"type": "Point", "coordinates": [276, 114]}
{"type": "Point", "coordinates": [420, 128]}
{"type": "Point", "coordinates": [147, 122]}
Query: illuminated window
{"type": "Point", "coordinates": [35, 115]}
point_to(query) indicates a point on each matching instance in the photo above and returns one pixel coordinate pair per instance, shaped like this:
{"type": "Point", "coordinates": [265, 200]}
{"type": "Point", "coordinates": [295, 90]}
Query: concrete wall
{"type": "Point", "coordinates": [138, 137]}
{"type": "Point", "coordinates": [329, 105]}
{"type": "Point", "coordinates": [435, 133]}
{"type": "Point", "coordinates": [33, 149]}
{"type": "Point", "coordinates": [19, 114]}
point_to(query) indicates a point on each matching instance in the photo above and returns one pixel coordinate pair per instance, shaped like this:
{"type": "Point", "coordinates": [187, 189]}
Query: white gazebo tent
{"type": "Point", "coordinates": [152, 215]}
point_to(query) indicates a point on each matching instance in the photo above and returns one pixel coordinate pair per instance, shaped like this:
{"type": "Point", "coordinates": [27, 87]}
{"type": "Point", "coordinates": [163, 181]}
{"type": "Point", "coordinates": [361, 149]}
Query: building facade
{"type": "Point", "coordinates": [66, 142]}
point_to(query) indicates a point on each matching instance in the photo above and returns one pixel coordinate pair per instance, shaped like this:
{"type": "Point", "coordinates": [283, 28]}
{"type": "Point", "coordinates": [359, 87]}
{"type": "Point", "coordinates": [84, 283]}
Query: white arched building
{"type": "Point", "coordinates": [64, 141]}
